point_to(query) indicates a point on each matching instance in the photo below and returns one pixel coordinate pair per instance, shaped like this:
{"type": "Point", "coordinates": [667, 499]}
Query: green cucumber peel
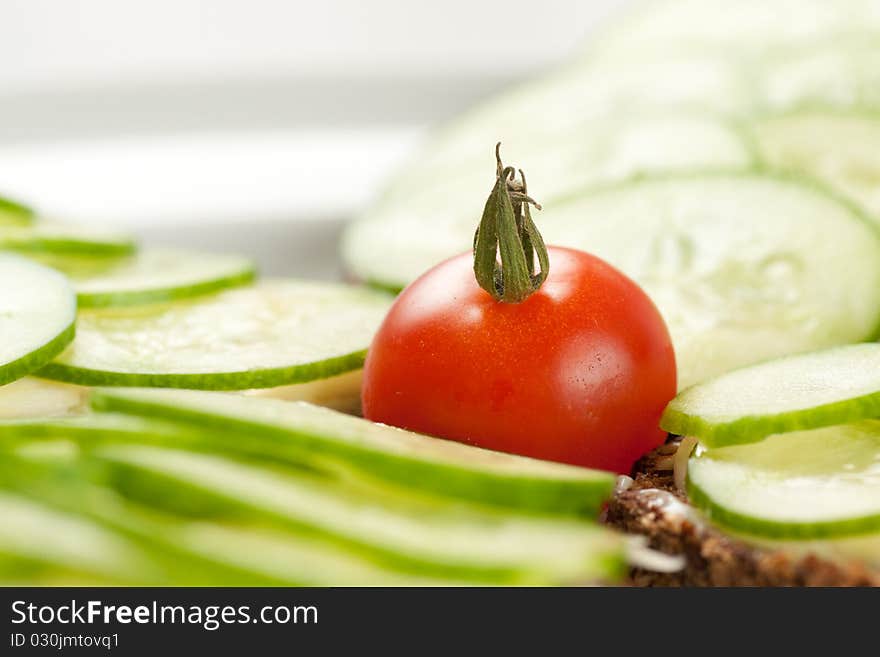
{"type": "Point", "coordinates": [803, 485]}
{"type": "Point", "coordinates": [455, 542]}
{"type": "Point", "coordinates": [38, 318]}
{"type": "Point", "coordinates": [158, 276]}
{"type": "Point", "coordinates": [807, 391]}
{"type": "Point", "coordinates": [274, 333]}
{"type": "Point", "coordinates": [302, 430]}
{"type": "Point", "coordinates": [13, 211]}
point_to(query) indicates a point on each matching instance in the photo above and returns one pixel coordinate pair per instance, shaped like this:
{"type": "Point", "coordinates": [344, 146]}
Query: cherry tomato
{"type": "Point", "coordinates": [579, 372]}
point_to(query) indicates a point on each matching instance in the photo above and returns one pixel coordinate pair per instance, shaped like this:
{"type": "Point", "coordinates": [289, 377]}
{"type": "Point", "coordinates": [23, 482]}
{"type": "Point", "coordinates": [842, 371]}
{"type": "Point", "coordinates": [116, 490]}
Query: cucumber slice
{"type": "Point", "coordinates": [432, 464]}
{"type": "Point", "coordinates": [341, 392]}
{"type": "Point", "coordinates": [725, 257]}
{"type": "Point", "coordinates": [157, 275]}
{"type": "Point", "coordinates": [839, 74]}
{"type": "Point", "coordinates": [37, 315]}
{"type": "Point", "coordinates": [840, 149]}
{"type": "Point", "coordinates": [799, 392]}
{"type": "Point", "coordinates": [801, 485]}
{"type": "Point", "coordinates": [452, 541]}
{"type": "Point", "coordinates": [576, 103]}
{"type": "Point", "coordinates": [275, 333]}
{"type": "Point", "coordinates": [598, 151]}
{"type": "Point", "coordinates": [13, 212]}
{"type": "Point", "coordinates": [46, 237]}
{"type": "Point", "coordinates": [746, 25]}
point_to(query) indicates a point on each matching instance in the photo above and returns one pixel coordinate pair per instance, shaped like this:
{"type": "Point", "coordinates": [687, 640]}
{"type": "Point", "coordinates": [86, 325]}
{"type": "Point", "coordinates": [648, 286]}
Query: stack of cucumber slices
{"type": "Point", "coordinates": [789, 450]}
{"type": "Point", "coordinates": [701, 156]}
{"type": "Point", "coordinates": [194, 464]}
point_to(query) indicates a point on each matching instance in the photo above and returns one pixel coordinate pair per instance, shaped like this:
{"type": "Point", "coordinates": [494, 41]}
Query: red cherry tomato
{"type": "Point", "coordinates": [579, 372]}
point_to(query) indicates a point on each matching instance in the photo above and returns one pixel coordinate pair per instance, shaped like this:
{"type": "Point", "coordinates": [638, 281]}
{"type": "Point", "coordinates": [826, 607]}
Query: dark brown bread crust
{"type": "Point", "coordinates": [712, 559]}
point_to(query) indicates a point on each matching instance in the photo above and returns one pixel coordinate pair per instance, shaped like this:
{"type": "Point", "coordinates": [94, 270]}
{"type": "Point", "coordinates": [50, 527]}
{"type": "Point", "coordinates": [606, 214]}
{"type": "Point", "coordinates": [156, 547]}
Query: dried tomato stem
{"type": "Point", "coordinates": [506, 231]}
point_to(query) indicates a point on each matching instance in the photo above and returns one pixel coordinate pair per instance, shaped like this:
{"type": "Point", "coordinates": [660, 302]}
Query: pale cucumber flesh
{"type": "Point", "coordinates": [341, 392]}
{"type": "Point", "coordinates": [744, 26]}
{"type": "Point", "coordinates": [598, 151]}
{"type": "Point", "coordinates": [812, 390]}
{"type": "Point", "coordinates": [30, 397]}
{"type": "Point", "coordinates": [821, 483]}
{"type": "Point", "coordinates": [441, 466]}
{"type": "Point", "coordinates": [841, 149]}
{"type": "Point", "coordinates": [37, 315]}
{"type": "Point", "coordinates": [838, 74]}
{"type": "Point", "coordinates": [276, 332]}
{"type": "Point", "coordinates": [726, 258]}
{"type": "Point", "coordinates": [590, 114]}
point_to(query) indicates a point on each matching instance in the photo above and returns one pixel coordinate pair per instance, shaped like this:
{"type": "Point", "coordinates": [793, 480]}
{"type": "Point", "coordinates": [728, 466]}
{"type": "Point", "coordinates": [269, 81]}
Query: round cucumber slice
{"type": "Point", "coordinates": [155, 275]}
{"type": "Point", "coordinates": [800, 485]}
{"type": "Point", "coordinates": [13, 212]}
{"type": "Point", "coordinates": [598, 151]}
{"type": "Point", "coordinates": [561, 109]}
{"type": "Point", "coordinates": [840, 73]}
{"type": "Point", "coordinates": [440, 466]}
{"type": "Point", "coordinates": [46, 237]}
{"type": "Point", "coordinates": [727, 258]}
{"type": "Point", "coordinates": [744, 26]}
{"type": "Point", "coordinates": [422, 538]}
{"type": "Point", "coordinates": [799, 392]}
{"type": "Point", "coordinates": [840, 149]}
{"type": "Point", "coordinates": [37, 315]}
{"type": "Point", "coordinates": [275, 333]}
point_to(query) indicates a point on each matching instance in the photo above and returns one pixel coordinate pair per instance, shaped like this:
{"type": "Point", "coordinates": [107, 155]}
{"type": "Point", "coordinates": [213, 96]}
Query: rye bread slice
{"type": "Point", "coordinates": [652, 506]}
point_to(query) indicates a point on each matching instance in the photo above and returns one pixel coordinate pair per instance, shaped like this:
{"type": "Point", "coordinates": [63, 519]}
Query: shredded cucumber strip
{"type": "Point", "coordinates": [449, 468]}
{"type": "Point", "coordinates": [464, 543]}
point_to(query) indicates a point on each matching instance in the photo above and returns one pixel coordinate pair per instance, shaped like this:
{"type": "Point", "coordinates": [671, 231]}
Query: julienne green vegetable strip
{"type": "Point", "coordinates": [176, 550]}
{"type": "Point", "coordinates": [82, 487]}
{"type": "Point", "coordinates": [421, 538]}
{"type": "Point", "coordinates": [15, 212]}
{"type": "Point", "coordinates": [297, 431]}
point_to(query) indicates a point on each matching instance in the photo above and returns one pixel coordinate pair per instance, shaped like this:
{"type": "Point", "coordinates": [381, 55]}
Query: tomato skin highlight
{"type": "Point", "coordinates": [579, 372]}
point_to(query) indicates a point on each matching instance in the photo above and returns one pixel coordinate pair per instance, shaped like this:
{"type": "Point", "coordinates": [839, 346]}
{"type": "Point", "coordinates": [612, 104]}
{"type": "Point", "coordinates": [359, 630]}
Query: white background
{"type": "Point", "coordinates": [195, 110]}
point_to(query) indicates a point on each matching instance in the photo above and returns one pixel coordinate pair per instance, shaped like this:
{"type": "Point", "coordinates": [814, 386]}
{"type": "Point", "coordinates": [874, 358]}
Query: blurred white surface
{"type": "Point", "coordinates": [47, 43]}
{"type": "Point", "coordinates": [155, 113]}
{"type": "Point", "coordinates": [165, 180]}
